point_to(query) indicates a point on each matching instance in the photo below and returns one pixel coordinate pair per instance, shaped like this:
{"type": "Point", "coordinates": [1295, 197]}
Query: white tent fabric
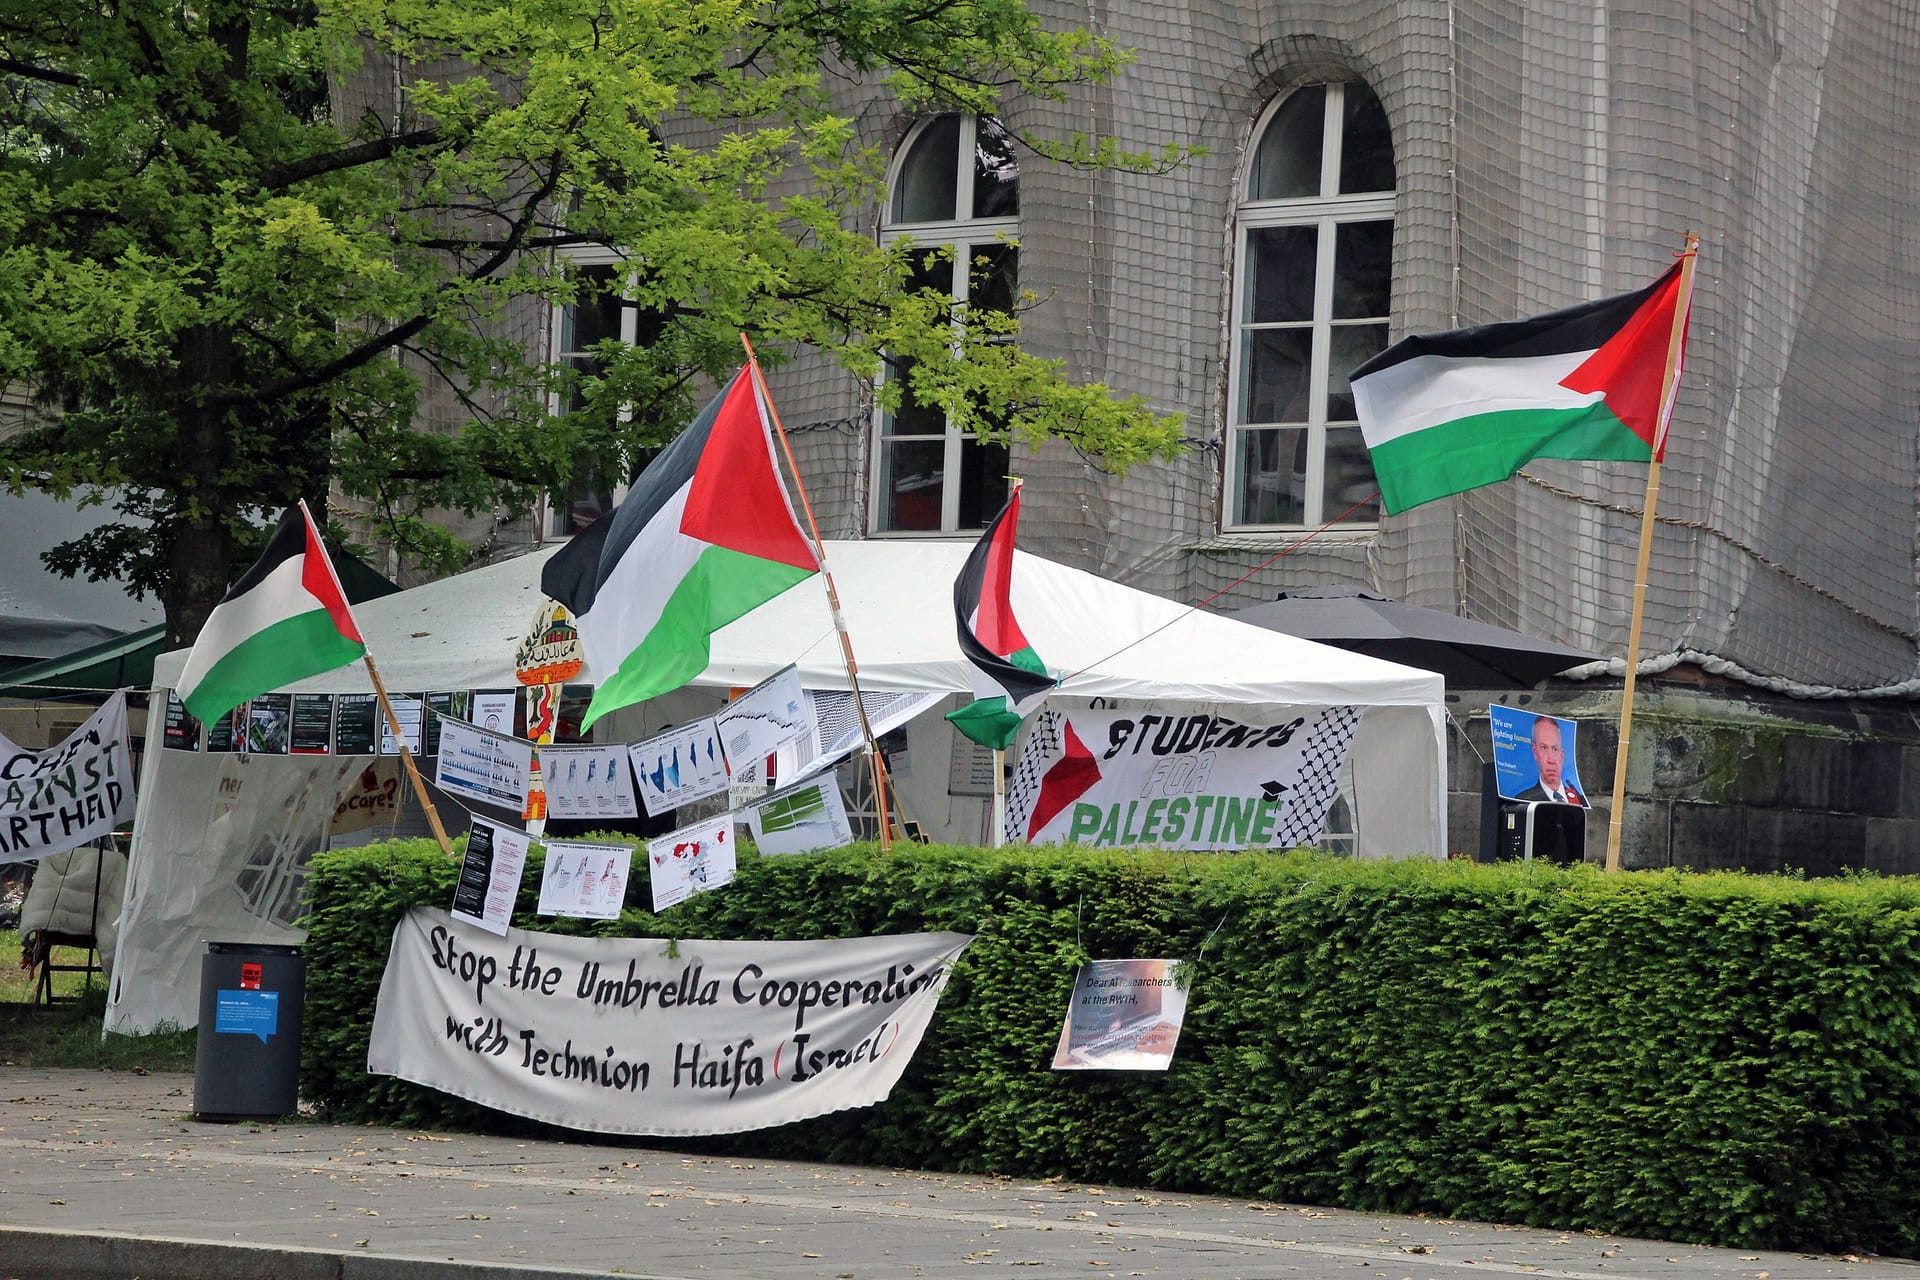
{"type": "Point", "coordinates": [1111, 641]}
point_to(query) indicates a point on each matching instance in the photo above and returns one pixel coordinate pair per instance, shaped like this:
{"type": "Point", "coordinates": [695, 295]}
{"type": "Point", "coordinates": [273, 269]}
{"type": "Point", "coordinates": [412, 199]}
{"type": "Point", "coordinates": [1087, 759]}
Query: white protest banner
{"type": "Point", "coordinates": [490, 875]}
{"type": "Point", "coordinates": [1178, 781]}
{"type": "Point", "coordinates": [585, 880]}
{"type": "Point", "coordinates": [801, 818]}
{"type": "Point", "coordinates": [588, 782]}
{"type": "Point", "coordinates": [765, 718]}
{"type": "Point", "coordinates": [691, 860]}
{"type": "Point", "coordinates": [60, 798]}
{"type": "Point", "coordinates": [679, 766]}
{"type": "Point", "coordinates": [639, 1036]}
{"type": "Point", "coordinates": [488, 767]}
{"type": "Point", "coordinates": [1125, 1015]}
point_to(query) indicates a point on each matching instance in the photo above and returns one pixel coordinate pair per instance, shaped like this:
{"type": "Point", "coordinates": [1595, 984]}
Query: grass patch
{"type": "Point", "coordinates": [67, 1033]}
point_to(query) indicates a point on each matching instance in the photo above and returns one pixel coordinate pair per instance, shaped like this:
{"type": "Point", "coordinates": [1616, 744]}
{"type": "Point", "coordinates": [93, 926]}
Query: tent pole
{"type": "Point", "coordinates": [1681, 306]}
{"type": "Point", "coordinates": [874, 761]}
{"type": "Point", "coordinates": [406, 756]}
{"type": "Point", "coordinates": [999, 810]}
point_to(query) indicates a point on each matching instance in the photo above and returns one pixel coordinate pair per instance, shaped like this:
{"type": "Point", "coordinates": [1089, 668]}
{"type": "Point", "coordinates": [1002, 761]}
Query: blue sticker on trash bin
{"type": "Point", "coordinates": [247, 1013]}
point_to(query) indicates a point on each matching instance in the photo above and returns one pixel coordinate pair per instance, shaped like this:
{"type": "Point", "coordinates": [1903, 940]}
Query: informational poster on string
{"type": "Point", "coordinates": [639, 1036]}
{"type": "Point", "coordinates": [66, 795]}
{"type": "Point", "coordinates": [588, 881]}
{"type": "Point", "coordinates": [588, 782]}
{"type": "Point", "coordinates": [801, 819]}
{"type": "Point", "coordinates": [483, 766]}
{"type": "Point", "coordinates": [1125, 1015]}
{"type": "Point", "coordinates": [490, 875]}
{"type": "Point", "coordinates": [680, 766]}
{"type": "Point", "coordinates": [765, 718]}
{"type": "Point", "coordinates": [1178, 781]}
{"type": "Point", "coordinates": [691, 860]}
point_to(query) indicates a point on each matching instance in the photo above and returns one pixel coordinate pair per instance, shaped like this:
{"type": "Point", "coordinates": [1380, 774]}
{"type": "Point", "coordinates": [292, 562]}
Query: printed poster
{"type": "Point", "coordinates": [1181, 781]}
{"type": "Point", "coordinates": [588, 881]}
{"type": "Point", "coordinates": [70, 793]}
{"type": "Point", "coordinates": [270, 723]}
{"type": "Point", "coordinates": [493, 710]}
{"type": "Point", "coordinates": [765, 718]}
{"type": "Point", "coordinates": [691, 860]}
{"type": "Point", "coordinates": [588, 782]}
{"type": "Point", "coordinates": [490, 768]}
{"type": "Point", "coordinates": [1533, 757]}
{"type": "Point", "coordinates": [679, 766]}
{"type": "Point", "coordinates": [490, 875]}
{"type": "Point", "coordinates": [638, 1036]}
{"type": "Point", "coordinates": [312, 730]}
{"type": "Point", "coordinates": [1125, 1015]}
{"type": "Point", "coordinates": [356, 724]}
{"type": "Point", "coordinates": [181, 732]}
{"type": "Point", "coordinates": [409, 709]}
{"type": "Point", "coordinates": [801, 819]}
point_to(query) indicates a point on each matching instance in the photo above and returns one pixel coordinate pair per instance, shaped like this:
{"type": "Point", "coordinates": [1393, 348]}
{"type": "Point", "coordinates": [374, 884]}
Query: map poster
{"type": "Point", "coordinates": [679, 766]}
{"type": "Point", "coordinates": [588, 782]}
{"type": "Point", "coordinates": [1125, 1015]}
{"type": "Point", "coordinates": [312, 731]}
{"type": "Point", "coordinates": [588, 881]}
{"type": "Point", "coordinates": [765, 718]}
{"type": "Point", "coordinates": [490, 875]}
{"type": "Point", "coordinates": [802, 818]}
{"type": "Point", "coordinates": [356, 724]}
{"type": "Point", "coordinates": [691, 860]}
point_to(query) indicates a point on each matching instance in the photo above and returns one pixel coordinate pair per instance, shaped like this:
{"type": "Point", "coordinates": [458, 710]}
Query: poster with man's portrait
{"type": "Point", "coordinates": [1533, 757]}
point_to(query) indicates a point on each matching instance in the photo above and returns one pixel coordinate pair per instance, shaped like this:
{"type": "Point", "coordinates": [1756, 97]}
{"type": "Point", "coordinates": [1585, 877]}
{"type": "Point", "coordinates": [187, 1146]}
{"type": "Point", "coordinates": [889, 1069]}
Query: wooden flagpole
{"type": "Point", "coordinates": [874, 761]}
{"type": "Point", "coordinates": [1682, 305]}
{"type": "Point", "coordinates": [999, 809]}
{"type": "Point", "coordinates": [386, 703]}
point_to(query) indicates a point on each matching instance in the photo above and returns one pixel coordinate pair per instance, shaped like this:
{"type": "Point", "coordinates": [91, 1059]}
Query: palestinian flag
{"type": "Point", "coordinates": [1449, 412]}
{"type": "Point", "coordinates": [1009, 680]}
{"type": "Point", "coordinates": [287, 619]}
{"type": "Point", "coordinates": [705, 536]}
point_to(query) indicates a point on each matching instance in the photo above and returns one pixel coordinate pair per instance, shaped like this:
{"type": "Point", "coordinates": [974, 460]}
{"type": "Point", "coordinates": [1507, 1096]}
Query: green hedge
{"type": "Point", "coordinates": [1724, 1059]}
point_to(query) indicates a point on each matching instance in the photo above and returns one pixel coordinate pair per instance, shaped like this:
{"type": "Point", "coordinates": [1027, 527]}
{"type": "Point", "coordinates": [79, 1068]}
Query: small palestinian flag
{"type": "Point", "coordinates": [705, 536]}
{"type": "Point", "coordinates": [287, 619]}
{"type": "Point", "coordinates": [1009, 680]}
{"type": "Point", "coordinates": [1444, 413]}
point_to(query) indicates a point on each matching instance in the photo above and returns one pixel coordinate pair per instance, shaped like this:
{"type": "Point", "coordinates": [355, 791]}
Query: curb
{"type": "Point", "coordinates": [32, 1253]}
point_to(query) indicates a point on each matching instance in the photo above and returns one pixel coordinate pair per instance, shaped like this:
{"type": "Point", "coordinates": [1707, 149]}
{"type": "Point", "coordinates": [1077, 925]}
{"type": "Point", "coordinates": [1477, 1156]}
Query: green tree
{"type": "Point", "coordinates": [230, 282]}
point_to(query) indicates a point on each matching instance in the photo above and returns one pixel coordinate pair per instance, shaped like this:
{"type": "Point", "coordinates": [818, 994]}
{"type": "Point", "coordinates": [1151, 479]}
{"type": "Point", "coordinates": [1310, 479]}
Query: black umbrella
{"type": "Point", "coordinates": [1469, 654]}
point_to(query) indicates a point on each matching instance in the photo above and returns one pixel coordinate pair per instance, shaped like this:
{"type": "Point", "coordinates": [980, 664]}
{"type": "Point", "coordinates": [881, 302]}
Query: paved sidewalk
{"type": "Point", "coordinates": [107, 1175]}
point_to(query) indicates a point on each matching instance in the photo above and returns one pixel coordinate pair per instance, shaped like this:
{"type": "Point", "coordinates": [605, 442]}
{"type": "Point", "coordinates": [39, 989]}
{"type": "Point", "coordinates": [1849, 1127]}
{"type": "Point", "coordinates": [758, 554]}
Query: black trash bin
{"type": "Point", "coordinates": [247, 1058]}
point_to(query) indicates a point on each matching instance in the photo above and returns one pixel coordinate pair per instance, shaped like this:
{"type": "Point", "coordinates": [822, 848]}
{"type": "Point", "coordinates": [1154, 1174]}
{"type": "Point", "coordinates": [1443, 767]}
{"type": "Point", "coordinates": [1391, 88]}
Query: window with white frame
{"type": "Point", "coordinates": [597, 313]}
{"type": "Point", "coordinates": [1312, 286]}
{"type": "Point", "coordinates": [955, 194]}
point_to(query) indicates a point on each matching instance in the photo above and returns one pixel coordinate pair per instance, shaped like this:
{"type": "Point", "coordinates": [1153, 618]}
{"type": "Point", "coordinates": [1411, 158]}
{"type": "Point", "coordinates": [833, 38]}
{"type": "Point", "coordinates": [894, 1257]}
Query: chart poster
{"type": "Point", "coordinates": [409, 709]}
{"type": "Point", "coordinates": [270, 723]}
{"type": "Point", "coordinates": [691, 860]}
{"type": "Point", "coordinates": [588, 782]}
{"type": "Point", "coordinates": [1125, 1015]}
{"type": "Point", "coordinates": [226, 733]}
{"type": "Point", "coordinates": [180, 732]}
{"type": "Point", "coordinates": [490, 768]}
{"type": "Point", "coordinates": [1533, 757]}
{"type": "Point", "coordinates": [765, 718]}
{"type": "Point", "coordinates": [490, 875]}
{"type": "Point", "coordinates": [493, 709]}
{"type": "Point", "coordinates": [679, 766]}
{"type": "Point", "coordinates": [311, 733]}
{"type": "Point", "coordinates": [1137, 779]}
{"type": "Point", "coordinates": [801, 818]}
{"type": "Point", "coordinates": [588, 881]}
{"type": "Point", "coordinates": [356, 724]}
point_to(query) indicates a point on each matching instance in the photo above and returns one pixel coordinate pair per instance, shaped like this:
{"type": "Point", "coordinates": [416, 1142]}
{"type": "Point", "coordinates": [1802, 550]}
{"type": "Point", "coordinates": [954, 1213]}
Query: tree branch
{"type": "Point", "coordinates": [47, 75]}
{"type": "Point", "coordinates": [380, 148]}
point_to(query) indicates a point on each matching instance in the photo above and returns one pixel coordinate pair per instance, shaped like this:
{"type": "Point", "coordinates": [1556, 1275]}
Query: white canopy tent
{"type": "Point", "coordinates": [213, 829]}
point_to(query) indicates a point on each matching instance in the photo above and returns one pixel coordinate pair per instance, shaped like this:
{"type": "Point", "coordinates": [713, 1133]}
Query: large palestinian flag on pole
{"type": "Point", "coordinates": [1447, 412]}
{"type": "Point", "coordinates": [285, 620]}
{"type": "Point", "coordinates": [1009, 680]}
{"type": "Point", "coordinates": [705, 536]}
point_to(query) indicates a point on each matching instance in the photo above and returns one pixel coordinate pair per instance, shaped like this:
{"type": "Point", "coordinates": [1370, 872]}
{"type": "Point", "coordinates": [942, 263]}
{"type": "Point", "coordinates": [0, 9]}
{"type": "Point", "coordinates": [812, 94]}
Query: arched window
{"type": "Point", "coordinates": [956, 193]}
{"type": "Point", "coordinates": [1312, 282]}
